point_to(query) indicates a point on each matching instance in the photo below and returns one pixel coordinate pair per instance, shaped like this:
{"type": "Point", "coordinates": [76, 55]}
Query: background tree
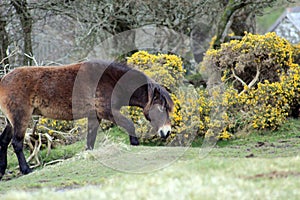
{"type": "Point", "coordinates": [92, 21]}
{"type": "Point", "coordinates": [24, 15]}
{"type": "Point", "coordinates": [4, 42]}
{"type": "Point", "coordinates": [238, 16]}
{"type": "Point", "coordinates": [102, 19]}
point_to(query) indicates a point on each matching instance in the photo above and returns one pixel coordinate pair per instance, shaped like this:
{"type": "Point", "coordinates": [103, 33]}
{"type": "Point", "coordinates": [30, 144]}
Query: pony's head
{"type": "Point", "coordinates": [158, 109]}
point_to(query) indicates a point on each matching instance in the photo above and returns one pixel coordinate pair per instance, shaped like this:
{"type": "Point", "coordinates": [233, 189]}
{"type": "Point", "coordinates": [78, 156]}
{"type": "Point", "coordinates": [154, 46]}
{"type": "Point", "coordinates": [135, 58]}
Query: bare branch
{"type": "Point", "coordinates": [10, 55]}
{"type": "Point", "coordinates": [238, 78]}
{"type": "Point", "coordinates": [32, 58]}
{"type": "Point", "coordinates": [252, 83]}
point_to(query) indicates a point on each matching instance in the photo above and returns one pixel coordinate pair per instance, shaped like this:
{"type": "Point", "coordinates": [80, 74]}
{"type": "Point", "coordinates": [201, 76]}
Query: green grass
{"type": "Point", "coordinates": [270, 15]}
{"type": "Point", "coordinates": [260, 165]}
{"type": "Point", "coordinates": [58, 153]}
{"type": "Point", "coordinates": [213, 177]}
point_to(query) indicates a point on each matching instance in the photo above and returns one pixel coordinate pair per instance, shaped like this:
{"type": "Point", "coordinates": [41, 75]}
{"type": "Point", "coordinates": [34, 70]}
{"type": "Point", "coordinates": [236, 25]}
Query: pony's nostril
{"type": "Point", "coordinates": [168, 133]}
{"type": "Point", "coordinates": [164, 132]}
{"type": "Point", "coordinates": [161, 133]}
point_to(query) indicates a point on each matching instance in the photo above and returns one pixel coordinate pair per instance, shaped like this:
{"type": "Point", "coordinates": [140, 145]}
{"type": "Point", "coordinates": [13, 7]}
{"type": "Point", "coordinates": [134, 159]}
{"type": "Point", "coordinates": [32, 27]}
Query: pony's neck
{"type": "Point", "coordinates": [139, 97]}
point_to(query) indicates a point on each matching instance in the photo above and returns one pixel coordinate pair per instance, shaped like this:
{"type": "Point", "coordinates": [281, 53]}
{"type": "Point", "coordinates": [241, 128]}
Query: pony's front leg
{"type": "Point", "coordinates": [17, 143]}
{"type": "Point", "coordinates": [127, 124]}
{"type": "Point", "coordinates": [93, 125]}
{"type": "Point", "coordinates": [5, 139]}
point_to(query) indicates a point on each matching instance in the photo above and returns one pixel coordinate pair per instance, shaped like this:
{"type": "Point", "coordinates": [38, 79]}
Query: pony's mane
{"type": "Point", "coordinates": [115, 65]}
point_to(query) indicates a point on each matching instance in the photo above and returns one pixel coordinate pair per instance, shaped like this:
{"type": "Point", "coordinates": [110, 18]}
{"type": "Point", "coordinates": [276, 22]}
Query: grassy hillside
{"type": "Point", "coordinates": [264, 165]}
{"type": "Point", "coordinates": [270, 15]}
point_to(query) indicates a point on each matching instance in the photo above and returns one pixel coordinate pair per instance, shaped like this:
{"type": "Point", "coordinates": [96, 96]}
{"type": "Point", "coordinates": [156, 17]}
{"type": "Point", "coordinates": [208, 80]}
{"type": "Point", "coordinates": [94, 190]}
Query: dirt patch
{"type": "Point", "coordinates": [274, 175]}
{"type": "Point", "coordinates": [260, 144]}
{"type": "Point", "coordinates": [264, 144]}
{"type": "Point", "coordinates": [251, 155]}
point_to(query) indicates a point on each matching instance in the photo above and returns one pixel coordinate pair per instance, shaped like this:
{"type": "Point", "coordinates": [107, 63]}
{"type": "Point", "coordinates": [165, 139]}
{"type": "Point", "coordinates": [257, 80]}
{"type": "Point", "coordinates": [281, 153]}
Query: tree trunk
{"type": "Point", "coordinates": [26, 23]}
{"type": "Point", "coordinates": [4, 42]}
{"type": "Point", "coordinates": [231, 7]}
{"type": "Point", "coordinates": [243, 21]}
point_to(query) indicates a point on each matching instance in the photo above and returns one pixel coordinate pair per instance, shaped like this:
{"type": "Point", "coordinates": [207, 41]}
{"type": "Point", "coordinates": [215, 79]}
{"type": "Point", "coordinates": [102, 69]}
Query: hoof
{"type": "Point", "coordinates": [134, 141]}
{"type": "Point", "coordinates": [89, 148]}
{"type": "Point", "coordinates": [26, 171]}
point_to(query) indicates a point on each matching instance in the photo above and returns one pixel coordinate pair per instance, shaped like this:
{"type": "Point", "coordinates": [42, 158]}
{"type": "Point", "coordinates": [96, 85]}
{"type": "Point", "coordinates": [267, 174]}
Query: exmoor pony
{"type": "Point", "coordinates": [94, 89]}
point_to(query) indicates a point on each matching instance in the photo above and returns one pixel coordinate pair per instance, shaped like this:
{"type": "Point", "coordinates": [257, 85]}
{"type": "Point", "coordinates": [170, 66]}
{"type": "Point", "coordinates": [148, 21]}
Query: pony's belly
{"type": "Point", "coordinates": [60, 114]}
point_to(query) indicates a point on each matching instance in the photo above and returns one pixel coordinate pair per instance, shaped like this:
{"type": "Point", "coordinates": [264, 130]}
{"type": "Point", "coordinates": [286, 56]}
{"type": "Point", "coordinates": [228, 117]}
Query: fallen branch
{"type": "Point", "coordinates": [64, 134]}
{"type": "Point", "coordinates": [35, 149]}
{"type": "Point", "coordinates": [53, 162]}
{"type": "Point", "coordinates": [34, 154]}
{"type": "Point", "coordinates": [49, 143]}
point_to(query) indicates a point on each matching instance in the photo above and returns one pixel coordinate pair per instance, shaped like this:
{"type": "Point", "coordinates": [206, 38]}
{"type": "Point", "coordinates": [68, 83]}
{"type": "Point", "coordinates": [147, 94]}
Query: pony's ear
{"type": "Point", "coordinates": [167, 89]}
{"type": "Point", "coordinates": [150, 97]}
{"type": "Point", "coordinates": [156, 94]}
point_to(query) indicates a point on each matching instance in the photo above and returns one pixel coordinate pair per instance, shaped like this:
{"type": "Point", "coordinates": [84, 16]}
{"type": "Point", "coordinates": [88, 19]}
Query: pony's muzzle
{"type": "Point", "coordinates": [164, 131]}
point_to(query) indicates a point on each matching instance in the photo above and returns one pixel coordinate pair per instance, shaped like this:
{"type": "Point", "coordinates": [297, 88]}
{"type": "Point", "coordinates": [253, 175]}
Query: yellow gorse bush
{"type": "Point", "coordinates": [269, 53]}
{"type": "Point", "coordinates": [268, 102]}
{"type": "Point", "coordinates": [164, 68]}
{"type": "Point", "coordinates": [60, 131]}
{"type": "Point", "coordinates": [192, 107]}
{"type": "Point", "coordinates": [168, 71]}
{"type": "Point", "coordinates": [46, 124]}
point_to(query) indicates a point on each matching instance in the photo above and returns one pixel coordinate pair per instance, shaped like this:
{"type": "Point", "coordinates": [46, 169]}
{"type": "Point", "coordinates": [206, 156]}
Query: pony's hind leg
{"type": "Point", "coordinates": [93, 125]}
{"type": "Point", "coordinates": [19, 129]}
{"type": "Point", "coordinates": [5, 139]}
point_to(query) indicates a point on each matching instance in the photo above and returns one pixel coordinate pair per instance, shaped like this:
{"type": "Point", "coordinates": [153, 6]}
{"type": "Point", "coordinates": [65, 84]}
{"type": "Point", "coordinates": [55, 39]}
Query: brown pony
{"type": "Point", "coordinates": [95, 89]}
